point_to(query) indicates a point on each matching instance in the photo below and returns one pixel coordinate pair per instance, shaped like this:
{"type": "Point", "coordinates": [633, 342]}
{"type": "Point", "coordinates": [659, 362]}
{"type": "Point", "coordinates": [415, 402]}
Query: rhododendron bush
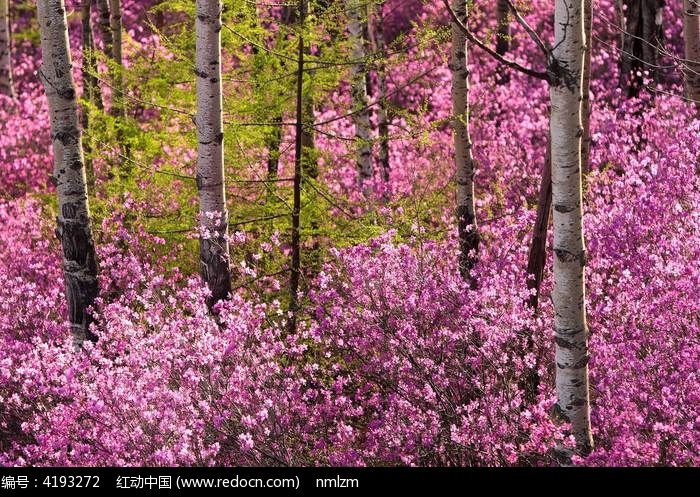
{"type": "Point", "coordinates": [391, 357]}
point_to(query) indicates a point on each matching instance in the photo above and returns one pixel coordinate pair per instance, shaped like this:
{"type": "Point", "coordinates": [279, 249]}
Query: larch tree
{"type": "Point", "coordinates": [213, 245]}
{"type": "Point", "coordinates": [356, 10]}
{"type": "Point", "coordinates": [6, 86]}
{"type": "Point", "coordinates": [691, 35]}
{"type": "Point", "coordinates": [73, 220]}
{"type": "Point", "coordinates": [568, 294]}
{"type": "Point", "coordinates": [642, 34]}
{"type": "Point", "coordinates": [464, 162]}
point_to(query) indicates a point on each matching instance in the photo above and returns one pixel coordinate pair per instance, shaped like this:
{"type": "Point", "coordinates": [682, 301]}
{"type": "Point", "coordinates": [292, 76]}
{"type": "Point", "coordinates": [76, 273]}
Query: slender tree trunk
{"type": "Point", "coordinates": [73, 220]}
{"type": "Point", "coordinates": [115, 25]}
{"type": "Point", "coordinates": [91, 89]}
{"type": "Point", "coordinates": [6, 86]}
{"type": "Point", "coordinates": [356, 12]}
{"type": "Point", "coordinates": [642, 37]}
{"type": "Point", "coordinates": [537, 257]}
{"type": "Point", "coordinates": [273, 149]}
{"type": "Point", "coordinates": [568, 296]}
{"type": "Point", "coordinates": [382, 111]}
{"type": "Point", "coordinates": [586, 88]}
{"type": "Point", "coordinates": [213, 246]}
{"type": "Point", "coordinates": [503, 29]}
{"type": "Point", "coordinates": [295, 275]}
{"type": "Point", "coordinates": [89, 69]}
{"type": "Point", "coordinates": [464, 162]}
{"type": "Point", "coordinates": [104, 26]}
{"type": "Point", "coordinates": [691, 34]}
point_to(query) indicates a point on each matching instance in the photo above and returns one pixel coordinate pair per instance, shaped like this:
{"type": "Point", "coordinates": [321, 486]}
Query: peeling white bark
{"type": "Point", "coordinates": [214, 250]}
{"type": "Point", "coordinates": [691, 34]}
{"type": "Point", "coordinates": [568, 295]}
{"type": "Point", "coordinates": [6, 86]}
{"type": "Point", "coordinates": [356, 10]}
{"type": "Point", "coordinates": [464, 162]}
{"type": "Point", "coordinates": [73, 220]}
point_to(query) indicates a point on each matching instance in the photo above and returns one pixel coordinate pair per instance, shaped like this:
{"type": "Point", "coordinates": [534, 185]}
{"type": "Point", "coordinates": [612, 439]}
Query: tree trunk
{"type": "Point", "coordinates": [586, 89]}
{"type": "Point", "coordinates": [6, 86]}
{"type": "Point", "coordinates": [691, 34]}
{"type": "Point", "coordinates": [115, 25]}
{"type": "Point", "coordinates": [568, 296]}
{"type": "Point", "coordinates": [73, 220]}
{"type": "Point", "coordinates": [103, 24]}
{"type": "Point", "coordinates": [537, 257]}
{"type": "Point", "coordinates": [641, 40]}
{"type": "Point", "coordinates": [464, 162]}
{"type": "Point", "coordinates": [382, 112]}
{"type": "Point", "coordinates": [213, 245]}
{"type": "Point", "coordinates": [356, 13]}
{"type": "Point", "coordinates": [91, 86]}
{"type": "Point", "coordinates": [295, 273]}
{"type": "Point", "coordinates": [503, 27]}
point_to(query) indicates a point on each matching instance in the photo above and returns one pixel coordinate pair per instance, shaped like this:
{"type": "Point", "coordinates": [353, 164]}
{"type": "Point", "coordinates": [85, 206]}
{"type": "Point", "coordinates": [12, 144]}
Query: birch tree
{"type": "Point", "coordinates": [691, 34]}
{"type": "Point", "coordinates": [355, 12]}
{"type": "Point", "coordinates": [213, 245]}
{"type": "Point", "coordinates": [6, 86]}
{"type": "Point", "coordinates": [73, 220]}
{"type": "Point", "coordinates": [586, 88]}
{"type": "Point", "coordinates": [568, 295]}
{"type": "Point", "coordinates": [464, 162]}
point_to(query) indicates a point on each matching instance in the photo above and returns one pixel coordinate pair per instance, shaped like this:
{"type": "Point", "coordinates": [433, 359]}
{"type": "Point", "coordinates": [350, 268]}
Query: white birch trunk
{"type": "Point", "coordinates": [355, 11]}
{"type": "Point", "coordinates": [73, 220]}
{"type": "Point", "coordinates": [568, 295]}
{"type": "Point", "coordinates": [691, 34]}
{"type": "Point", "coordinates": [6, 86]}
{"type": "Point", "coordinates": [214, 250]}
{"type": "Point", "coordinates": [464, 162]}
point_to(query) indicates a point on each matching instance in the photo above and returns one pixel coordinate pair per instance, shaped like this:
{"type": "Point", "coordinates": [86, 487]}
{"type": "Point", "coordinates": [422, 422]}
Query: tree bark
{"type": "Point", "coordinates": [537, 257]}
{"type": "Point", "coordinates": [213, 245]}
{"type": "Point", "coordinates": [641, 40]}
{"type": "Point", "coordinates": [73, 220]}
{"type": "Point", "coordinates": [691, 35]}
{"type": "Point", "coordinates": [503, 27]}
{"type": "Point", "coordinates": [382, 111]}
{"type": "Point", "coordinates": [89, 69]}
{"type": "Point", "coordinates": [568, 296]}
{"type": "Point", "coordinates": [91, 88]}
{"type": "Point", "coordinates": [103, 23]}
{"type": "Point", "coordinates": [6, 86]}
{"type": "Point", "coordinates": [586, 88]}
{"type": "Point", "coordinates": [356, 12]}
{"type": "Point", "coordinates": [115, 25]}
{"type": "Point", "coordinates": [464, 162]}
